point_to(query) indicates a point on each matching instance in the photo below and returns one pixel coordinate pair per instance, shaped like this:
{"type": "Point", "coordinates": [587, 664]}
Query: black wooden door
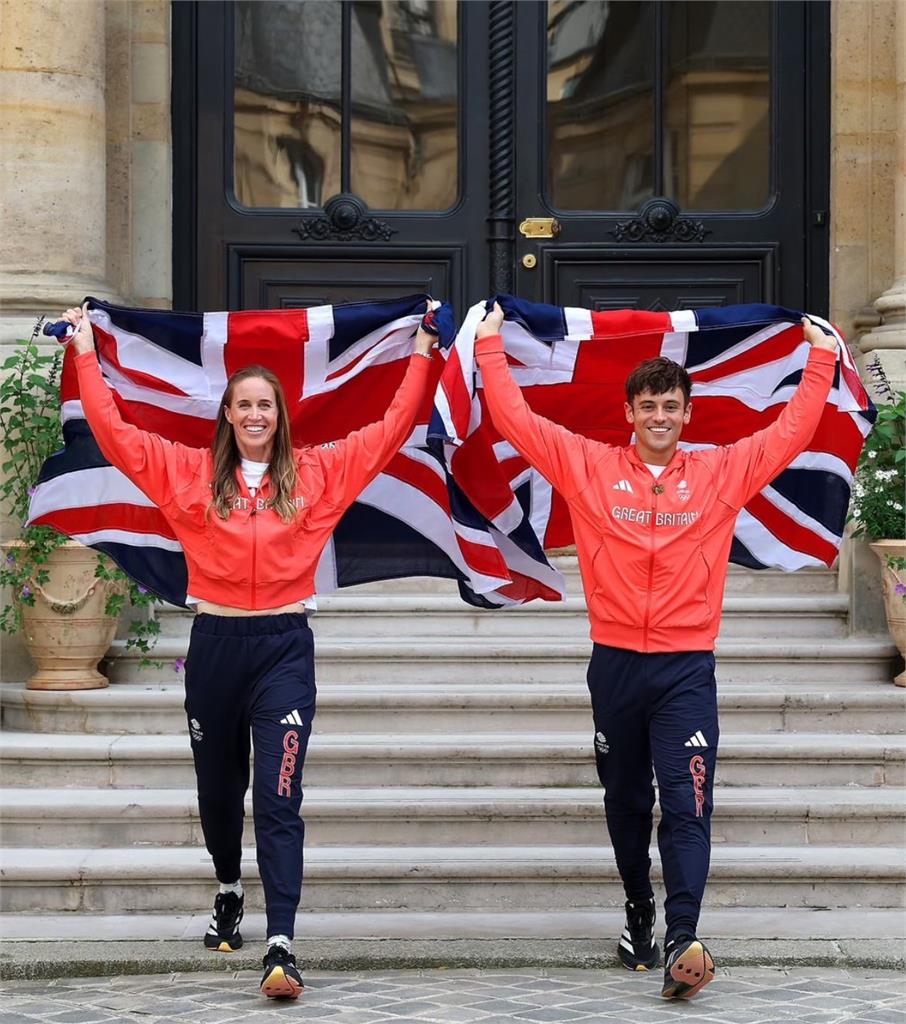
{"type": "Point", "coordinates": [678, 148]}
{"type": "Point", "coordinates": [326, 152]}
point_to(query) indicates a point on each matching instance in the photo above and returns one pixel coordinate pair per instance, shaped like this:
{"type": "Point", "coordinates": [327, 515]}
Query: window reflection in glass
{"type": "Point", "coordinates": [286, 103]}
{"type": "Point", "coordinates": [600, 105]}
{"type": "Point", "coordinates": [288, 100]}
{"type": "Point", "coordinates": [717, 104]}
{"type": "Point", "coordinates": [404, 95]}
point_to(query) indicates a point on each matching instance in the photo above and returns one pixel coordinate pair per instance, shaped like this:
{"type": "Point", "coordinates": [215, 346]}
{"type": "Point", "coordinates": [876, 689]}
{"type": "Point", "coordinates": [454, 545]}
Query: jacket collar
{"type": "Point", "coordinates": [678, 460]}
{"type": "Point", "coordinates": [263, 487]}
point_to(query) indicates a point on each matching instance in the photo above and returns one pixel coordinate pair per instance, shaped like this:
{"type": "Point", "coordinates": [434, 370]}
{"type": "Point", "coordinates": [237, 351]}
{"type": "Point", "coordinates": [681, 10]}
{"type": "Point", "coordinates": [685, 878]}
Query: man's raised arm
{"type": "Point", "coordinates": [557, 453]}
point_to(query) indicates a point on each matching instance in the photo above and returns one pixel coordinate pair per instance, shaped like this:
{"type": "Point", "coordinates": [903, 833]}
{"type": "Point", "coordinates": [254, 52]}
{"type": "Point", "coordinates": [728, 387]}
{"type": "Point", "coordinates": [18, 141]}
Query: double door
{"type": "Point", "coordinates": [605, 154]}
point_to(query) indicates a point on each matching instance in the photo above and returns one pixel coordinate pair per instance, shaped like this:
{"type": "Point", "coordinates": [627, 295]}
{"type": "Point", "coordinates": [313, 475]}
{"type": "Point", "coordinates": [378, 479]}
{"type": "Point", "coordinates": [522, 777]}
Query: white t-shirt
{"type": "Point", "coordinates": [253, 474]}
{"type": "Point", "coordinates": [655, 470]}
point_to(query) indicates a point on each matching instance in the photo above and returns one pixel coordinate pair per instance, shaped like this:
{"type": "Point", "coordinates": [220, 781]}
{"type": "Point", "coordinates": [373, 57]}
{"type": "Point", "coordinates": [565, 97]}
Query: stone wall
{"type": "Point", "coordinates": [868, 219]}
{"type": "Point", "coordinates": [84, 156]}
{"type": "Point", "coordinates": [868, 179]}
{"type": "Point", "coordinates": [85, 167]}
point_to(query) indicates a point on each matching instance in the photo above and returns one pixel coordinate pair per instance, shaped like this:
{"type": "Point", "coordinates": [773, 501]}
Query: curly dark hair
{"type": "Point", "coordinates": [658, 376]}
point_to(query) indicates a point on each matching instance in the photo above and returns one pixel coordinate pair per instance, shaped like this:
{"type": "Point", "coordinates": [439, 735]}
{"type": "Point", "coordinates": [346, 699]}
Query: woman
{"type": "Point", "coordinates": [252, 515]}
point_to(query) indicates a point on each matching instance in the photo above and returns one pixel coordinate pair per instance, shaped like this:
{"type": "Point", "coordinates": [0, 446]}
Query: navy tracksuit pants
{"type": "Point", "coordinates": [253, 675]}
{"type": "Point", "coordinates": [656, 715]}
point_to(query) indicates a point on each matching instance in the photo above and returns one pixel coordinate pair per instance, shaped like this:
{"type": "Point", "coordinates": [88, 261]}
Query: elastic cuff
{"type": "Point", "coordinates": [822, 355]}
{"type": "Point", "coordinates": [284, 927]}
{"type": "Point", "coordinates": [490, 345]}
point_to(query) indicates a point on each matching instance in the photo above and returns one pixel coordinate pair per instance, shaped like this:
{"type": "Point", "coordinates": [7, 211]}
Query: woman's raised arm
{"type": "Point", "coordinates": [156, 466]}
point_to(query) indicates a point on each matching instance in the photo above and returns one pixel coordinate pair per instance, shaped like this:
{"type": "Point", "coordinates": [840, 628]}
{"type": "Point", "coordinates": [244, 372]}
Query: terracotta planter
{"type": "Point", "coordinates": [65, 630]}
{"type": "Point", "coordinates": [893, 602]}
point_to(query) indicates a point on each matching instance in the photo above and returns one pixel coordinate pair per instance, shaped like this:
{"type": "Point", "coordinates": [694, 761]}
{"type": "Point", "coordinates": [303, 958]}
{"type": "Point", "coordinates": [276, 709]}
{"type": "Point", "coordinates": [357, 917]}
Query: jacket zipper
{"type": "Point", "coordinates": [654, 491]}
{"type": "Point", "coordinates": [254, 520]}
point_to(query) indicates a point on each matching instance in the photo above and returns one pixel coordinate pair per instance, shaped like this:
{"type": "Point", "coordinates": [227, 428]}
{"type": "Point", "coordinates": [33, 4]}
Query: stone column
{"type": "Point", "coordinates": [53, 245]}
{"type": "Point", "coordinates": [886, 342]}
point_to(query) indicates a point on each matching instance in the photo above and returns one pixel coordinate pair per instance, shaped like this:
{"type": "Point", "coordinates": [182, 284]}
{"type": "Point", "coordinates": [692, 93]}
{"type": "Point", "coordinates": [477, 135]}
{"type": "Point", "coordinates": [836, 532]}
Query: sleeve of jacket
{"type": "Point", "coordinates": [351, 464]}
{"type": "Point", "coordinates": [750, 464]}
{"type": "Point", "coordinates": [557, 453]}
{"type": "Point", "coordinates": [156, 466]}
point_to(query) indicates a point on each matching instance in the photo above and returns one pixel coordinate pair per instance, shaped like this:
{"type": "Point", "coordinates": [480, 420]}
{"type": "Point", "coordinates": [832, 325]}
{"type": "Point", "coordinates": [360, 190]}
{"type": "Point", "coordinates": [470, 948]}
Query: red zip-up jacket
{"type": "Point", "coordinates": [252, 560]}
{"type": "Point", "coordinates": [653, 554]}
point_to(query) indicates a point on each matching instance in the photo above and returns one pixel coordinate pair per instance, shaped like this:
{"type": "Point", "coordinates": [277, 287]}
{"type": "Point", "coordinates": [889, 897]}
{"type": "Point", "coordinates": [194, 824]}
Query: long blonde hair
{"type": "Point", "coordinates": [282, 471]}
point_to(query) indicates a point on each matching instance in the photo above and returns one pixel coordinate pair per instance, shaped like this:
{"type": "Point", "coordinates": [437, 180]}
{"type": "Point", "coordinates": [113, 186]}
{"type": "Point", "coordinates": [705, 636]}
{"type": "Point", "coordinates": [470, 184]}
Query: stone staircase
{"type": "Point", "coordinates": [451, 768]}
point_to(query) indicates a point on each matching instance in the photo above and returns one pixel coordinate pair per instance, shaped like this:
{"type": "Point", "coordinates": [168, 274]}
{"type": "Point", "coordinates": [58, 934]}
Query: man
{"type": "Point", "coordinates": [653, 526]}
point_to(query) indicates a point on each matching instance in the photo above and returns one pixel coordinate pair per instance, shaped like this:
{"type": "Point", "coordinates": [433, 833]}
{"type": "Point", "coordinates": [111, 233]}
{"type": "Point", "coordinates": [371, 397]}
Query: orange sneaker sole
{"type": "Point", "coordinates": [690, 973]}
{"type": "Point", "coordinates": [277, 985]}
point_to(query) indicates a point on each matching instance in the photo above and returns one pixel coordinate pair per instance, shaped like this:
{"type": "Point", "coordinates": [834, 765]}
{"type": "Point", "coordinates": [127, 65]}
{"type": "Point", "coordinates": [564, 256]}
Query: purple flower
{"type": "Point", "coordinates": [141, 589]}
{"type": "Point", "coordinates": [10, 560]}
{"type": "Point", "coordinates": [179, 664]}
{"type": "Point", "coordinates": [900, 589]}
{"type": "Point", "coordinates": [31, 491]}
{"type": "Point", "coordinates": [26, 591]}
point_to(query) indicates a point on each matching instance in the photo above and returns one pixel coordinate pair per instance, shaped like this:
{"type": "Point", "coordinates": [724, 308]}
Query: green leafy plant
{"type": "Point", "coordinates": [30, 432]}
{"type": "Point", "coordinates": [879, 487]}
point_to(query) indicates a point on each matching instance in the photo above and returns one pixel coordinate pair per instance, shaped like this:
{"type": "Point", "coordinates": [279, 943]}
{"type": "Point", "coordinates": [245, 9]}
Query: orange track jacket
{"type": "Point", "coordinates": [252, 560]}
{"type": "Point", "coordinates": [653, 555]}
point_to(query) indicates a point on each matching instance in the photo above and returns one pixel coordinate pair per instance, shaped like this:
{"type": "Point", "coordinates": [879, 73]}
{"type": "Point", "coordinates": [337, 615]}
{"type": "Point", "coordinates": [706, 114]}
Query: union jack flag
{"type": "Point", "coordinates": [457, 502]}
{"type": "Point", "coordinates": [745, 363]}
{"type": "Point", "coordinates": [339, 366]}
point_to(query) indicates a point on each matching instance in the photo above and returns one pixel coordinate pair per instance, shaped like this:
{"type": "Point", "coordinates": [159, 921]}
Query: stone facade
{"type": "Point", "coordinates": [84, 155]}
{"type": "Point", "coordinates": [868, 179]}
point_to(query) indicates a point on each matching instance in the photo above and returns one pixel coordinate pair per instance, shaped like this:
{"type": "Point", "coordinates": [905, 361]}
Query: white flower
{"type": "Point", "coordinates": [857, 513]}
{"type": "Point", "coordinates": [897, 507]}
{"type": "Point", "coordinates": [872, 454]}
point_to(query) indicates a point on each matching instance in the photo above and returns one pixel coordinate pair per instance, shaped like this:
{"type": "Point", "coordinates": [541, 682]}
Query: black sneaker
{"type": "Point", "coordinates": [637, 949]}
{"type": "Point", "coordinates": [281, 979]}
{"type": "Point", "coordinates": [688, 968]}
{"type": "Point", "coordinates": [223, 931]}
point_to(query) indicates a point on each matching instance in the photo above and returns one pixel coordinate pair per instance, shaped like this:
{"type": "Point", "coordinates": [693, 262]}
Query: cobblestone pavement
{"type": "Point", "coordinates": [741, 995]}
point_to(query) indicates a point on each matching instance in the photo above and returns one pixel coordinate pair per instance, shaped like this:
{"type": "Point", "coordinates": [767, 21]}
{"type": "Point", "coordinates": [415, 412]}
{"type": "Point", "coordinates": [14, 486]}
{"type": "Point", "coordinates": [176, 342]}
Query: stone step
{"type": "Point", "coordinates": [423, 660]}
{"type": "Point", "coordinates": [445, 615]}
{"type": "Point", "coordinates": [747, 923]}
{"type": "Point", "coordinates": [739, 581]}
{"type": "Point", "coordinates": [460, 816]}
{"type": "Point", "coordinates": [404, 708]}
{"type": "Point", "coordinates": [488, 759]}
{"type": "Point", "coordinates": [116, 881]}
